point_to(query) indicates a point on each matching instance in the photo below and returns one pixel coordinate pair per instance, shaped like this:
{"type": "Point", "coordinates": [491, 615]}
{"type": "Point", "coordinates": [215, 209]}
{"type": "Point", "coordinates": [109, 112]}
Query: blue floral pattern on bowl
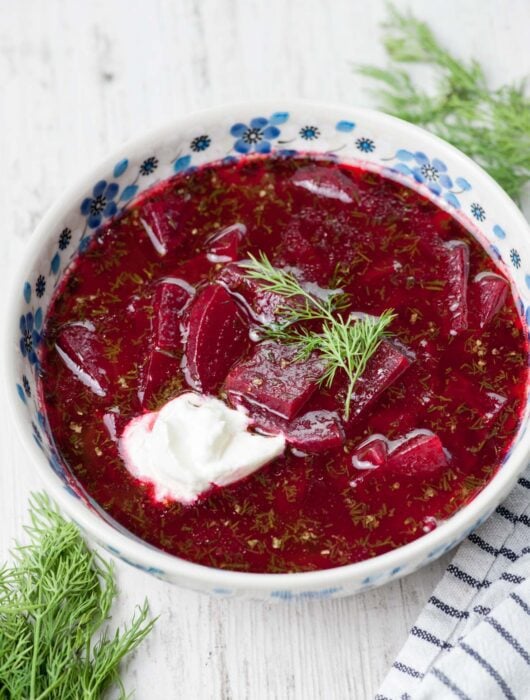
{"type": "Point", "coordinates": [148, 166]}
{"type": "Point", "coordinates": [365, 145]}
{"type": "Point", "coordinates": [29, 335]}
{"type": "Point", "coordinates": [515, 258]}
{"type": "Point", "coordinates": [65, 238]}
{"type": "Point", "coordinates": [101, 204]}
{"type": "Point", "coordinates": [355, 137]}
{"type": "Point", "coordinates": [256, 136]}
{"type": "Point", "coordinates": [200, 143]}
{"type": "Point", "coordinates": [309, 133]}
{"type": "Point", "coordinates": [478, 211]}
{"type": "Point", "coordinates": [431, 172]}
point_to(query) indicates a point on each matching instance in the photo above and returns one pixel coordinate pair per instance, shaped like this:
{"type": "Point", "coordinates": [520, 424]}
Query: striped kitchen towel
{"type": "Point", "coordinates": [472, 640]}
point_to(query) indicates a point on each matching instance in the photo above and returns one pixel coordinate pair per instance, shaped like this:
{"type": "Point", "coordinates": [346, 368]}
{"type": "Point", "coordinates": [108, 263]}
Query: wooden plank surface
{"type": "Point", "coordinates": [80, 77]}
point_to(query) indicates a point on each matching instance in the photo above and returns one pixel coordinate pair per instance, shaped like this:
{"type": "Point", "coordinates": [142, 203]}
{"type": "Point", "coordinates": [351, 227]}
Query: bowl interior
{"type": "Point", "coordinates": [371, 140]}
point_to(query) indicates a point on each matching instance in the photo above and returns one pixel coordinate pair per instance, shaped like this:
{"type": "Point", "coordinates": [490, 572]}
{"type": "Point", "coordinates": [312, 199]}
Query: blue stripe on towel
{"type": "Point", "coordinates": [489, 669]}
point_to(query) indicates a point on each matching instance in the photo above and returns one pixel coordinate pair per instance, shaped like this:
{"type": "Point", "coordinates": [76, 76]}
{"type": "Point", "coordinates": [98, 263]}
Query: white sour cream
{"type": "Point", "coordinates": [193, 443]}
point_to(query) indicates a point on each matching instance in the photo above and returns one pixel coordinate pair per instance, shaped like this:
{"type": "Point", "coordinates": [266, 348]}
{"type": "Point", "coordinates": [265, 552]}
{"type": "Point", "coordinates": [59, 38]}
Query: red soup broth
{"type": "Point", "coordinates": [441, 400]}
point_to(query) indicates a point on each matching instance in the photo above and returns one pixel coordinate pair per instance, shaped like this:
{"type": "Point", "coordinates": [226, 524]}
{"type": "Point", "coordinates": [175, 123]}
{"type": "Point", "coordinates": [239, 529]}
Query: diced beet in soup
{"type": "Point", "coordinates": [419, 455]}
{"type": "Point", "coordinates": [274, 379]}
{"type": "Point", "coordinates": [82, 351]}
{"type": "Point", "coordinates": [160, 219]}
{"type": "Point", "coordinates": [311, 431]}
{"type": "Point", "coordinates": [217, 337]}
{"type": "Point", "coordinates": [261, 305]}
{"type": "Point", "coordinates": [158, 375]}
{"type": "Point", "coordinates": [224, 245]}
{"type": "Point", "coordinates": [172, 295]}
{"type": "Point", "coordinates": [160, 303]}
{"type": "Point", "coordinates": [487, 294]}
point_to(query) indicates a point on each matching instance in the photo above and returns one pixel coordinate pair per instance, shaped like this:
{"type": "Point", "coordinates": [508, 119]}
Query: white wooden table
{"type": "Point", "coordinates": [77, 78]}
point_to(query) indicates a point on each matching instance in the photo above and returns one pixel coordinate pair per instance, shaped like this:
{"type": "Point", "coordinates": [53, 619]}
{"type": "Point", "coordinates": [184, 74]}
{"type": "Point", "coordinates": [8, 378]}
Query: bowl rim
{"type": "Point", "coordinates": [137, 551]}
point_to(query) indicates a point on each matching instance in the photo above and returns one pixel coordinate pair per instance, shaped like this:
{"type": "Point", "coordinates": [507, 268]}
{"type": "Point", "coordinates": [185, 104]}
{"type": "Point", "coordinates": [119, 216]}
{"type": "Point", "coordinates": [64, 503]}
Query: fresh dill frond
{"type": "Point", "coordinates": [349, 344]}
{"type": "Point", "coordinates": [344, 343]}
{"type": "Point", "coordinates": [307, 306]}
{"type": "Point", "coordinates": [54, 602]}
{"type": "Point", "coordinates": [492, 126]}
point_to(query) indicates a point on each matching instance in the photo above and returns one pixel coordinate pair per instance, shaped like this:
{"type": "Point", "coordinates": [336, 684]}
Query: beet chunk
{"type": "Point", "coordinates": [161, 371]}
{"type": "Point", "coordinates": [83, 353]}
{"type": "Point", "coordinates": [394, 418]}
{"type": "Point", "coordinates": [273, 379]}
{"type": "Point", "coordinates": [262, 305]}
{"type": "Point", "coordinates": [372, 453]}
{"type": "Point", "coordinates": [324, 182]}
{"type": "Point", "coordinates": [421, 454]}
{"type": "Point", "coordinates": [193, 270]}
{"type": "Point", "coordinates": [487, 294]}
{"type": "Point", "coordinates": [418, 453]}
{"type": "Point", "coordinates": [217, 337]}
{"type": "Point", "coordinates": [383, 368]}
{"type": "Point", "coordinates": [171, 296]}
{"type": "Point", "coordinates": [161, 380]}
{"type": "Point", "coordinates": [160, 222]}
{"type": "Point", "coordinates": [304, 246]}
{"type": "Point", "coordinates": [314, 431]}
{"type": "Point", "coordinates": [454, 300]}
{"type": "Point", "coordinates": [223, 246]}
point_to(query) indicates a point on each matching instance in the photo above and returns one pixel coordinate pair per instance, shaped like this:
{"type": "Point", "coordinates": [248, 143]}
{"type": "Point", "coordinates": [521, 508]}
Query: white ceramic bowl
{"type": "Point", "coordinates": [370, 139]}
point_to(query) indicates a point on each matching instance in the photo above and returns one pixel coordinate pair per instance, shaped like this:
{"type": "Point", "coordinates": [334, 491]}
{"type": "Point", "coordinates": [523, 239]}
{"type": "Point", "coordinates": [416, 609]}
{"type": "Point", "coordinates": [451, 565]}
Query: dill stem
{"type": "Point", "coordinates": [353, 375]}
{"type": "Point", "coordinates": [15, 609]}
{"type": "Point", "coordinates": [36, 644]}
{"type": "Point", "coordinates": [348, 399]}
{"type": "Point", "coordinates": [321, 308]}
{"type": "Point", "coordinates": [50, 688]}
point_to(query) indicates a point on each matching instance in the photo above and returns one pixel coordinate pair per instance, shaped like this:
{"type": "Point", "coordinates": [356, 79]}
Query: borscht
{"type": "Point", "coordinates": [282, 364]}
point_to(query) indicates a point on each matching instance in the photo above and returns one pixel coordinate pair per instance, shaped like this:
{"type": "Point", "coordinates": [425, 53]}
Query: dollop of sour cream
{"type": "Point", "coordinates": [192, 443]}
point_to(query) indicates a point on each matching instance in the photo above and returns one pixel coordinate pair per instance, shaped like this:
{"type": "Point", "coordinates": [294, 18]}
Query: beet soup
{"type": "Point", "coordinates": [172, 298]}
